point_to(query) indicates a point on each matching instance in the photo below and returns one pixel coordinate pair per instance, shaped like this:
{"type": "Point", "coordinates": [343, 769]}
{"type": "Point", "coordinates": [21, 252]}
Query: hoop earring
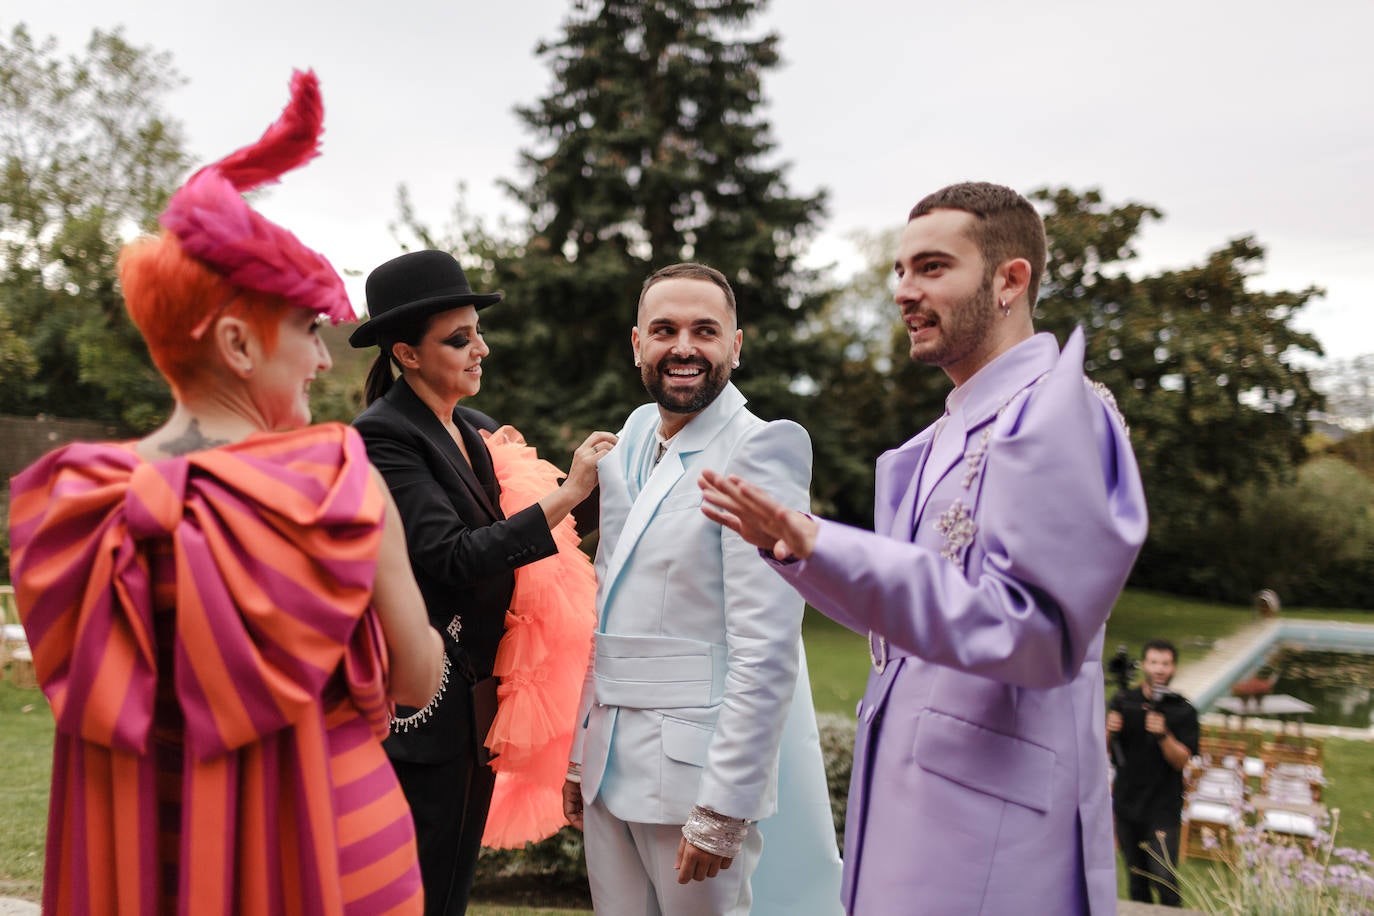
{"type": "Point", "coordinates": [1006, 309]}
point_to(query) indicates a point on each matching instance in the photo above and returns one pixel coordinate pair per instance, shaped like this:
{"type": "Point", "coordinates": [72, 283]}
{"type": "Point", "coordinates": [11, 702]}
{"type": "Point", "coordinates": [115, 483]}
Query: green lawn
{"type": "Point", "coordinates": [839, 667]}
{"type": "Point", "coordinates": [839, 663]}
{"type": "Point", "coordinates": [839, 659]}
{"type": "Point", "coordinates": [26, 762]}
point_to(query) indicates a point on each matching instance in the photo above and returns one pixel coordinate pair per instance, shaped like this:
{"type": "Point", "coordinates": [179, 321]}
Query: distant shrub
{"type": "Point", "coordinates": [1312, 541]}
{"type": "Point", "coordinates": [837, 747]}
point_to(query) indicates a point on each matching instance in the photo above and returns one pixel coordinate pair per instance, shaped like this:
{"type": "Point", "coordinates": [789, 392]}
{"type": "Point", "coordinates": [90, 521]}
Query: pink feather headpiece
{"type": "Point", "coordinates": [214, 224]}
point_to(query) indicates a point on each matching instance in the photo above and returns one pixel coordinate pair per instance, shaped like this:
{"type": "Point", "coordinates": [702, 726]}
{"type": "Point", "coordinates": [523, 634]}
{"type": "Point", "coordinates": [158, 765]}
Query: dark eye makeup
{"type": "Point", "coordinates": [459, 339]}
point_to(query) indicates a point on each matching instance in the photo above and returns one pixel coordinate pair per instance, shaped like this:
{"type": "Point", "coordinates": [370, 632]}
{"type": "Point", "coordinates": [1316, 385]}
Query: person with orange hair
{"type": "Point", "coordinates": [221, 613]}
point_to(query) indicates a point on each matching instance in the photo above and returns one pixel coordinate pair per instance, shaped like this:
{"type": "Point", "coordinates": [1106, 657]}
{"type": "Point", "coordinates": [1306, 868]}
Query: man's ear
{"type": "Point", "coordinates": [404, 354]}
{"type": "Point", "coordinates": [634, 344]}
{"type": "Point", "coordinates": [739, 343]}
{"type": "Point", "coordinates": [1012, 280]}
{"type": "Point", "coordinates": [235, 344]}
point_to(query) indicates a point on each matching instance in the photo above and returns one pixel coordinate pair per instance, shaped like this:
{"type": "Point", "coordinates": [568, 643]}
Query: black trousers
{"type": "Point", "coordinates": [1140, 844]}
{"type": "Point", "coordinates": [449, 803]}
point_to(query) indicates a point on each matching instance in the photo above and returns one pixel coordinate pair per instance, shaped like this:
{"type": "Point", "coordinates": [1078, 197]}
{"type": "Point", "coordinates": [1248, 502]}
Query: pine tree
{"type": "Point", "coordinates": [650, 150]}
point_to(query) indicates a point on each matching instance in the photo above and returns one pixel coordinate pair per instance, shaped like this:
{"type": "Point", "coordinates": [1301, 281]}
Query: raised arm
{"type": "Point", "coordinates": [581, 479]}
{"type": "Point", "coordinates": [442, 544]}
{"type": "Point", "coordinates": [1061, 520]}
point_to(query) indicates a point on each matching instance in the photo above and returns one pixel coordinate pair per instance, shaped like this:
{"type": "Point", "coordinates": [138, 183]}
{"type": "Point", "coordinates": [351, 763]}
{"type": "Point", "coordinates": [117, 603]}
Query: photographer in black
{"type": "Point", "coordinates": [1152, 732]}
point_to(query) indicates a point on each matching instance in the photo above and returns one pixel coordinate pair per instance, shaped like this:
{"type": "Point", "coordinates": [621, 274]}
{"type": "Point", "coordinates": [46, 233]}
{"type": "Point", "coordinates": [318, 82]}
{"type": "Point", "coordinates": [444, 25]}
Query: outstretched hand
{"type": "Point", "coordinates": [757, 517]}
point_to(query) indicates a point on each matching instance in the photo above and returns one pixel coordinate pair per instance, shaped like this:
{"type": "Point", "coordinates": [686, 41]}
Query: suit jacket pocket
{"type": "Point", "coordinates": [686, 742]}
{"type": "Point", "coordinates": [679, 501]}
{"type": "Point", "coordinates": [1003, 766]}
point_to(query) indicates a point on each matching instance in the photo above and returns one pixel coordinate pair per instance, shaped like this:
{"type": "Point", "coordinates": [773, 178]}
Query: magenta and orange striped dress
{"type": "Point", "coordinates": [202, 627]}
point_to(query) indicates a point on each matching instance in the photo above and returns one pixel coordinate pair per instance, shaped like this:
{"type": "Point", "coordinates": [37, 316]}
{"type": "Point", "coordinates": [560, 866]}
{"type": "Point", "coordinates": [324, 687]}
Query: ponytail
{"type": "Point", "coordinates": [379, 379]}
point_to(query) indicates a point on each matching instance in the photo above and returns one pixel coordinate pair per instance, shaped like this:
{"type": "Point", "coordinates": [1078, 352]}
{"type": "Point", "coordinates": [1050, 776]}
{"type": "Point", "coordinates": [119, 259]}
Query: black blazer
{"type": "Point", "coordinates": [463, 550]}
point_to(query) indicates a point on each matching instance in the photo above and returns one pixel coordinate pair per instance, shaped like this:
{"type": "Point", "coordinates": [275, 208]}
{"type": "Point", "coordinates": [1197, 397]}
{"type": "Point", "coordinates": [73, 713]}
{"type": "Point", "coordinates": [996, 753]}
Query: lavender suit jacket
{"type": "Point", "coordinates": [980, 769]}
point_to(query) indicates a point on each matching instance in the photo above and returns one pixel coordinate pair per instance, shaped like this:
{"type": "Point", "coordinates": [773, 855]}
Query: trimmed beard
{"type": "Point", "coordinates": [714, 381]}
{"type": "Point", "coordinates": [965, 330]}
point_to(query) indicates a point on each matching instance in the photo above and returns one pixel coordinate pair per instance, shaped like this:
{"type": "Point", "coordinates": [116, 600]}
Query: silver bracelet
{"type": "Point", "coordinates": [718, 834]}
{"type": "Point", "coordinates": [421, 716]}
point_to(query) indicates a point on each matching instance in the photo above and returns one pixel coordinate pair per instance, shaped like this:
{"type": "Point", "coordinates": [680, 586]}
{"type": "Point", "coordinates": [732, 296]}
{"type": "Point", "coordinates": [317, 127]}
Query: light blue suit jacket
{"type": "Point", "coordinates": [698, 641]}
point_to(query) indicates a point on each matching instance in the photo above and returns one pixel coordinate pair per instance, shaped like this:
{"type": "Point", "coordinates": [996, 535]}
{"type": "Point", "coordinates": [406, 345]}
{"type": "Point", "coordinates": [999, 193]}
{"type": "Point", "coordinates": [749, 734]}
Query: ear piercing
{"type": "Point", "coordinates": [1006, 309]}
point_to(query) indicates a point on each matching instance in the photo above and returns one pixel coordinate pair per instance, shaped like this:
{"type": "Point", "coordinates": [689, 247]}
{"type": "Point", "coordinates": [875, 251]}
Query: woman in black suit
{"type": "Point", "coordinates": [463, 548]}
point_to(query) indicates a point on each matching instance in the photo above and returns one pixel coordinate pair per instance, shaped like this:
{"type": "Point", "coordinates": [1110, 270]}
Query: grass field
{"type": "Point", "coordinates": [839, 663]}
{"type": "Point", "coordinates": [26, 761]}
{"type": "Point", "coordinates": [839, 659]}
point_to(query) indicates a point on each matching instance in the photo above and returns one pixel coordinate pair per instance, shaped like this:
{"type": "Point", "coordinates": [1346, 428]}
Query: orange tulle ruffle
{"type": "Point", "coordinates": [542, 660]}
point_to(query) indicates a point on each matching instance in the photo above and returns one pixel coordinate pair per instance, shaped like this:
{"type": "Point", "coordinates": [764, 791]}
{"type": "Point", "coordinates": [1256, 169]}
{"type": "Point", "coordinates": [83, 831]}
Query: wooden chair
{"type": "Point", "coordinates": [1216, 751]}
{"type": "Point", "coordinates": [1283, 749]}
{"type": "Point", "coordinates": [1291, 819]}
{"type": "Point", "coordinates": [15, 657]}
{"type": "Point", "coordinates": [1206, 839]}
{"type": "Point", "coordinates": [1212, 813]}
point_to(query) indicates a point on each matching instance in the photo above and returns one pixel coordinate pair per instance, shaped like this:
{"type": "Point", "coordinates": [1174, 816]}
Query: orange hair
{"type": "Point", "coordinates": [171, 295]}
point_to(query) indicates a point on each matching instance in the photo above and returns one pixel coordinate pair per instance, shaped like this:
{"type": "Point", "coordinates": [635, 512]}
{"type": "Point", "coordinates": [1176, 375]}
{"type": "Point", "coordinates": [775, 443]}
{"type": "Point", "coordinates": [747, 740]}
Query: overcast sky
{"type": "Point", "coordinates": [1233, 118]}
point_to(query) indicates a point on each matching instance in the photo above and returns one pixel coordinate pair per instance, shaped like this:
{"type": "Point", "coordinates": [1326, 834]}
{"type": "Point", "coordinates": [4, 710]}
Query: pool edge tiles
{"type": "Point", "coordinates": [1207, 679]}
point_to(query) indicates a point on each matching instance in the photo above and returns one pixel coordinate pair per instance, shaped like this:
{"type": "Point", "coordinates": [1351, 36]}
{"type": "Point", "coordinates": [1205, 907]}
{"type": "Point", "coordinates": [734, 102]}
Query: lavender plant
{"type": "Point", "coordinates": [1265, 874]}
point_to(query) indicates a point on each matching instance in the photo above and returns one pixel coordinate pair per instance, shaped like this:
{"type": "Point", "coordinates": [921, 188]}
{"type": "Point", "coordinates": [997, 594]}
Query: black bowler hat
{"type": "Point", "coordinates": [412, 286]}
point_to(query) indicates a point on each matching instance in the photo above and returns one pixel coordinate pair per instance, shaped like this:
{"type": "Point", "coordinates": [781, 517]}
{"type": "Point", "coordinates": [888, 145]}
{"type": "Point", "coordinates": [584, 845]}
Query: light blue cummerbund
{"type": "Point", "coordinates": [658, 672]}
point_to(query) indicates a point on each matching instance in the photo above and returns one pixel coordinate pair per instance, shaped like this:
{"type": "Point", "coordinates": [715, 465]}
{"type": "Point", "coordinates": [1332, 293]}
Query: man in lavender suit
{"type": "Point", "coordinates": [1002, 536]}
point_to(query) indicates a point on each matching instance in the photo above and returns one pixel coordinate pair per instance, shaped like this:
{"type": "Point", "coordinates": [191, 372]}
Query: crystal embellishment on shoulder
{"type": "Point", "coordinates": [973, 458]}
{"type": "Point", "coordinates": [1105, 394]}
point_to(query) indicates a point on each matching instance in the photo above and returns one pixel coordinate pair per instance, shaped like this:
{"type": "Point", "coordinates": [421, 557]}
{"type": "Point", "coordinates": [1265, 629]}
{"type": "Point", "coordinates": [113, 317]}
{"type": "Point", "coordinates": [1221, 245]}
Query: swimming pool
{"type": "Point", "coordinates": [1325, 636]}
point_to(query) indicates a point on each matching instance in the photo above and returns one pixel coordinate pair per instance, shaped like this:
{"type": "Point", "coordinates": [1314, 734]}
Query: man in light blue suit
{"type": "Point", "coordinates": [698, 678]}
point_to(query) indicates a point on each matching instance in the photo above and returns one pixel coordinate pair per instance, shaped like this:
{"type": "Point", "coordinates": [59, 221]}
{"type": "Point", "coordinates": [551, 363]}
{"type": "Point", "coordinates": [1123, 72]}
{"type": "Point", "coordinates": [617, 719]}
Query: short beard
{"type": "Point", "coordinates": [715, 377]}
{"type": "Point", "coordinates": [964, 330]}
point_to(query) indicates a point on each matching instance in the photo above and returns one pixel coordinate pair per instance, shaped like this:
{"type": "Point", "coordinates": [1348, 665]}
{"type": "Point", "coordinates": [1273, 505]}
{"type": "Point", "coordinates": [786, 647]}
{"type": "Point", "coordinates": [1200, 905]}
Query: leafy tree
{"type": "Point", "coordinates": [873, 396]}
{"type": "Point", "coordinates": [1311, 539]}
{"type": "Point", "coordinates": [650, 150]}
{"type": "Point", "coordinates": [1206, 370]}
{"type": "Point", "coordinates": [88, 159]}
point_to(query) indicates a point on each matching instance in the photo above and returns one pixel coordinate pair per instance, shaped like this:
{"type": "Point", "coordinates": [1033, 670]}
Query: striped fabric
{"type": "Point", "coordinates": [202, 629]}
